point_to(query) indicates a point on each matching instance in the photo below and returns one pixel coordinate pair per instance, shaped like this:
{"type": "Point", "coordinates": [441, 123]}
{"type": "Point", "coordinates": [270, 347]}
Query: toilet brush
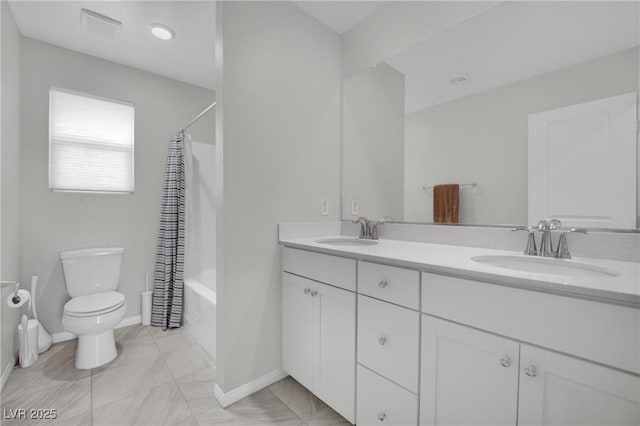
{"type": "Point", "coordinates": [44, 338]}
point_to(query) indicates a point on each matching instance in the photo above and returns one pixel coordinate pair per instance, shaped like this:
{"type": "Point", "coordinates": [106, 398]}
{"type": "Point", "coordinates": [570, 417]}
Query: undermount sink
{"type": "Point", "coordinates": [546, 265]}
{"type": "Point", "coordinates": [347, 242]}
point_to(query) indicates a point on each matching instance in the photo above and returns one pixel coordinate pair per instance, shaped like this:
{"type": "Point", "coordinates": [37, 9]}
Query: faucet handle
{"type": "Point", "coordinates": [364, 226]}
{"type": "Point", "coordinates": [543, 225]}
{"type": "Point", "coordinates": [563, 247]}
{"type": "Point", "coordinates": [523, 228]}
{"type": "Point", "coordinates": [530, 249]}
{"type": "Point", "coordinates": [373, 228]}
{"type": "Point", "coordinates": [384, 219]}
{"type": "Point", "coordinates": [578, 230]}
{"type": "Point", "coordinates": [555, 224]}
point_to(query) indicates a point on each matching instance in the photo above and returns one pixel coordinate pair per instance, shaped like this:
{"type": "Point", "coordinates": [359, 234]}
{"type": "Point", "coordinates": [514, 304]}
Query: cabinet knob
{"type": "Point", "coordinates": [382, 416]}
{"type": "Point", "coordinates": [382, 284]}
{"type": "Point", "coordinates": [382, 340]}
{"type": "Point", "coordinates": [307, 290]}
{"type": "Point", "coordinates": [530, 371]}
{"type": "Point", "coordinates": [314, 293]}
{"type": "Point", "coordinates": [505, 361]}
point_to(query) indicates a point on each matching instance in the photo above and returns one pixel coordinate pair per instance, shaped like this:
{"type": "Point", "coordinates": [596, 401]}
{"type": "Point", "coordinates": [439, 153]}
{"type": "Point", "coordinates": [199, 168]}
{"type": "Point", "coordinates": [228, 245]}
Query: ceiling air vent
{"type": "Point", "coordinates": [100, 24]}
{"type": "Point", "coordinates": [459, 79]}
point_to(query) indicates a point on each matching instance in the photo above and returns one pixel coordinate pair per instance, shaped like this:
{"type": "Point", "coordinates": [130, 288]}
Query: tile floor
{"type": "Point", "coordinates": [158, 378]}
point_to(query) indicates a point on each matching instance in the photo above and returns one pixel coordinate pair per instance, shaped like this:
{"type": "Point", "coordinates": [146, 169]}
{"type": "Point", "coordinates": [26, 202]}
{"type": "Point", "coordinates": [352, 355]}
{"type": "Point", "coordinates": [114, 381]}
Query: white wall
{"type": "Point", "coordinates": [10, 179]}
{"type": "Point", "coordinates": [373, 143]}
{"type": "Point", "coordinates": [55, 221]}
{"type": "Point", "coordinates": [483, 138]}
{"type": "Point", "coordinates": [279, 141]}
{"type": "Point", "coordinates": [200, 253]}
{"type": "Point", "coordinates": [402, 24]}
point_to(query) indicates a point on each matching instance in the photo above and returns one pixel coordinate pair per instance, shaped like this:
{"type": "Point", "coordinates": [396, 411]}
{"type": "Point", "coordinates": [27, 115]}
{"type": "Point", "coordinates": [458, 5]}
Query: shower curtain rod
{"type": "Point", "coordinates": [206, 110]}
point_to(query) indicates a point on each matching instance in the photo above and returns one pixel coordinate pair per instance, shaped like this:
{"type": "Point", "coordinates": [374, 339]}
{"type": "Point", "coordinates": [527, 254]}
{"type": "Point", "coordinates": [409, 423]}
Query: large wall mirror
{"type": "Point", "coordinates": [530, 108]}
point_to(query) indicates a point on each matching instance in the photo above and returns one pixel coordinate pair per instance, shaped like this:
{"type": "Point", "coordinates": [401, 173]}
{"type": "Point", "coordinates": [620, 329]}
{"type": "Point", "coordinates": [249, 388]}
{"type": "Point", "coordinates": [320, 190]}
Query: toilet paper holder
{"type": "Point", "coordinates": [19, 297]}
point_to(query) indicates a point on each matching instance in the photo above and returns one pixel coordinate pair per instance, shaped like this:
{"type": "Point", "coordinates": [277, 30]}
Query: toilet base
{"type": "Point", "coordinates": [95, 350]}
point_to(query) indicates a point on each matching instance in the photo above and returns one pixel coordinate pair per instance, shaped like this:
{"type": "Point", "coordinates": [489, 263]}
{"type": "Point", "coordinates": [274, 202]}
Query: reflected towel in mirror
{"type": "Point", "coordinates": [445, 203]}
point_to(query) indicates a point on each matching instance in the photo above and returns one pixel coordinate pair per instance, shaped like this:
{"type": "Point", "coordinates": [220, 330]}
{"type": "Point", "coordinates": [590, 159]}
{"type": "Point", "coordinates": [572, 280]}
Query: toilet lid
{"type": "Point", "coordinates": [94, 304]}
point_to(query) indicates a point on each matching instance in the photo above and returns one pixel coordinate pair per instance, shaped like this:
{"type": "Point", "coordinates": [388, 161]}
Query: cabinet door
{"type": "Point", "coordinates": [468, 376]}
{"type": "Point", "coordinates": [297, 328]}
{"type": "Point", "coordinates": [559, 389]}
{"type": "Point", "coordinates": [334, 375]}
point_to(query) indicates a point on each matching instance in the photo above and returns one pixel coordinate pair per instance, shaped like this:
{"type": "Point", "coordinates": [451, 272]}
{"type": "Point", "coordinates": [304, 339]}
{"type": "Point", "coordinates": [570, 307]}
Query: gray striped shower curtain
{"type": "Point", "coordinates": [168, 280]}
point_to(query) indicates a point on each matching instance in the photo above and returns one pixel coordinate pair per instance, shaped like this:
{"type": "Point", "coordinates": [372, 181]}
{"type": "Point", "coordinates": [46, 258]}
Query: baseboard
{"type": "Point", "coordinates": [65, 335]}
{"type": "Point", "coordinates": [6, 373]}
{"type": "Point", "coordinates": [62, 336]}
{"type": "Point", "coordinates": [136, 319]}
{"type": "Point", "coordinates": [226, 399]}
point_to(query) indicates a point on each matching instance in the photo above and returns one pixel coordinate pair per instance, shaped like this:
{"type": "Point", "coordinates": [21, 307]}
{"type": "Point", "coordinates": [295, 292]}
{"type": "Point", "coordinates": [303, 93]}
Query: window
{"type": "Point", "coordinates": [90, 143]}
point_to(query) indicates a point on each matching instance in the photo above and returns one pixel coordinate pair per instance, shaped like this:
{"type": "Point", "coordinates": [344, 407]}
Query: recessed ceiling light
{"type": "Point", "coordinates": [162, 32]}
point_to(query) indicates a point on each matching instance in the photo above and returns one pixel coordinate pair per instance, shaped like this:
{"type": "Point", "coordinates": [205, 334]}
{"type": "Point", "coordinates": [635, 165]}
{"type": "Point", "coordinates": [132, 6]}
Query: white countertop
{"type": "Point", "coordinates": [456, 260]}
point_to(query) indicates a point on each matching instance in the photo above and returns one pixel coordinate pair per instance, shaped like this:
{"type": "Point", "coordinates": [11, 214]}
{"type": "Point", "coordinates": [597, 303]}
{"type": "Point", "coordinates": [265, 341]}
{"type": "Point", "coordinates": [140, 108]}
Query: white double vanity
{"type": "Point", "coordinates": [407, 333]}
{"type": "Point", "coordinates": [527, 119]}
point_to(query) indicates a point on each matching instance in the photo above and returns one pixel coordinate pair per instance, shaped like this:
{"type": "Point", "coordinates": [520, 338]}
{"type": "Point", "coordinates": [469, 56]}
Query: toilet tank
{"type": "Point", "coordinates": [92, 270]}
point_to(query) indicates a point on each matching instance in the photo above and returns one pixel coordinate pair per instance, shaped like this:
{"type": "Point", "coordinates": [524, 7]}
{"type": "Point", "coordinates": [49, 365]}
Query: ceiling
{"type": "Point", "coordinates": [189, 57]}
{"type": "Point", "coordinates": [512, 42]}
{"type": "Point", "coordinates": [340, 16]}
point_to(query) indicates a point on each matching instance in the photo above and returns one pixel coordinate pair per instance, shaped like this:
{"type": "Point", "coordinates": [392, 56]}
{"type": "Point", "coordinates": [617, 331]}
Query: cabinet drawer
{"type": "Point", "coordinates": [388, 340]}
{"type": "Point", "coordinates": [396, 285]}
{"type": "Point", "coordinates": [337, 271]}
{"type": "Point", "coordinates": [383, 402]}
{"type": "Point", "coordinates": [584, 328]}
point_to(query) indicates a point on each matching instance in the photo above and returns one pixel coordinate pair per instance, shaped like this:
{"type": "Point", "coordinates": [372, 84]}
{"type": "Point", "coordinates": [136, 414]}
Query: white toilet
{"type": "Point", "coordinates": [92, 277]}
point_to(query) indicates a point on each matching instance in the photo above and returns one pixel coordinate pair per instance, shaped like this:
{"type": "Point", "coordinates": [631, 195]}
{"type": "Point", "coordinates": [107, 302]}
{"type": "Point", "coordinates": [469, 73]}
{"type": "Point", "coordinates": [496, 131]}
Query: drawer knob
{"type": "Point", "coordinates": [505, 361]}
{"type": "Point", "coordinates": [307, 290]}
{"type": "Point", "coordinates": [383, 284]}
{"type": "Point", "coordinates": [382, 416]}
{"type": "Point", "coordinates": [382, 340]}
{"type": "Point", "coordinates": [314, 293]}
{"type": "Point", "coordinates": [530, 371]}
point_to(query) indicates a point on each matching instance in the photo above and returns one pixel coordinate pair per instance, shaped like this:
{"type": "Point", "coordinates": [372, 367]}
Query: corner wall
{"type": "Point", "coordinates": [373, 143]}
{"type": "Point", "coordinates": [279, 138]}
{"type": "Point", "coordinates": [10, 181]}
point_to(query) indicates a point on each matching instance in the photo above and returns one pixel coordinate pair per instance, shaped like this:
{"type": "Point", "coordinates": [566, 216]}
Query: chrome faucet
{"type": "Point", "coordinates": [546, 243]}
{"type": "Point", "coordinates": [373, 231]}
{"type": "Point", "coordinates": [368, 230]}
{"type": "Point", "coordinates": [364, 226]}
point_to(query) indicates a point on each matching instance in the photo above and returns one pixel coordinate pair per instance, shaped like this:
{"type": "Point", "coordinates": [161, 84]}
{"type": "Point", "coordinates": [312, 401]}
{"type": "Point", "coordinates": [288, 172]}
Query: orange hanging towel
{"type": "Point", "coordinates": [445, 203]}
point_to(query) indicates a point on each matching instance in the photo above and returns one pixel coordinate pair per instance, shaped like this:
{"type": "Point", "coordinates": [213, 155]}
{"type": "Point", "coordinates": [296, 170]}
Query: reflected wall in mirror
{"type": "Point", "coordinates": [514, 105]}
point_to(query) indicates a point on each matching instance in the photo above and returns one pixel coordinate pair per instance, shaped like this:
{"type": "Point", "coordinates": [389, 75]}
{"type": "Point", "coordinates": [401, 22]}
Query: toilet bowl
{"type": "Point", "coordinates": [92, 278]}
{"type": "Point", "coordinates": [92, 319]}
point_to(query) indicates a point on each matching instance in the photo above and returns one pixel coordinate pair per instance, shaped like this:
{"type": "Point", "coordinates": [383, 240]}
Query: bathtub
{"type": "Point", "coordinates": [200, 309]}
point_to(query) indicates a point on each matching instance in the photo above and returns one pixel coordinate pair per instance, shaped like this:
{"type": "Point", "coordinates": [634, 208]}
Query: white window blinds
{"type": "Point", "coordinates": [91, 143]}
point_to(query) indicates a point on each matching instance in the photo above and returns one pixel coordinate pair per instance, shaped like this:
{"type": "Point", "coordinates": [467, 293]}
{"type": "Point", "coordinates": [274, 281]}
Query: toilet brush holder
{"type": "Point", "coordinates": [145, 307]}
{"type": "Point", "coordinates": [27, 341]}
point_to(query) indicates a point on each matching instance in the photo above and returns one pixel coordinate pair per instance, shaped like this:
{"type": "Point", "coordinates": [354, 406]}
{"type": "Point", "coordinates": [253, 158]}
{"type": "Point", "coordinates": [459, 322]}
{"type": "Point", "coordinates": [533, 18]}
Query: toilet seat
{"type": "Point", "coordinates": [94, 304]}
